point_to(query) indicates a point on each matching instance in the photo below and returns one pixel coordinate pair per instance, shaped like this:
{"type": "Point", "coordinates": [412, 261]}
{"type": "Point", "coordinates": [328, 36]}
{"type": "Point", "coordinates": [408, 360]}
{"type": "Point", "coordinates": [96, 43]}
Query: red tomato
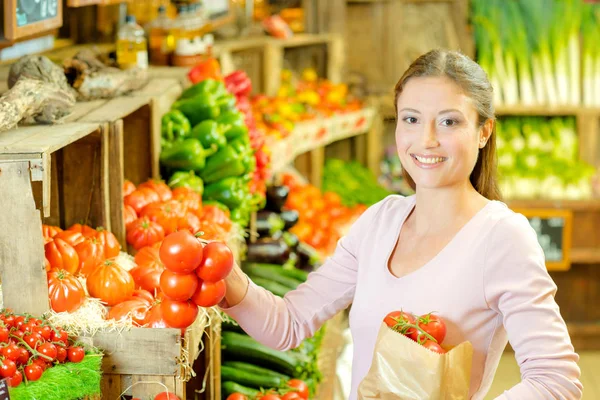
{"type": "Point", "coordinates": [49, 231]}
{"type": "Point", "coordinates": [181, 252]}
{"type": "Point", "coordinates": [148, 270]}
{"type": "Point", "coordinates": [70, 236]}
{"type": "Point", "coordinates": [49, 350]}
{"type": "Point", "coordinates": [91, 253]}
{"type": "Point", "coordinates": [109, 242]}
{"type": "Point", "coordinates": [61, 336]}
{"type": "Point", "coordinates": [61, 255]}
{"type": "Point", "coordinates": [216, 215]}
{"type": "Point", "coordinates": [269, 397]}
{"type": "Point", "coordinates": [142, 232]}
{"type": "Point", "coordinates": [110, 283]}
{"type": "Point", "coordinates": [128, 187]}
{"type": "Point", "coordinates": [209, 294]}
{"type": "Point", "coordinates": [236, 396]}
{"type": "Point", "coordinates": [33, 372]}
{"type": "Point", "coordinates": [15, 380]}
{"type": "Point", "coordinates": [140, 198]}
{"type": "Point", "coordinates": [191, 200]}
{"type": "Point", "coordinates": [135, 308]}
{"type": "Point", "coordinates": [190, 222]}
{"type": "Point", "coordinates": [61, 354]}
{"type": "Point", "coordinates": [179, 314]}
{"type": "Point", "coordinates": [45, 331]}
{"type": "Point", "coordinates": [24, 356]}
{"type": "Point", "coordinates": [154, 318]}
{"type": "Point", "coordinates": [43, 364]}
{"type": "Point", "coordinates": [291, 396]}
{"type": "Point", "coordinates": [217, 262]}
{"type": "Point", "coordinates": [66, 292]}
{"type": "Point", "coordinates": [178, 286]}
{"type": "Point", "coordinates": [166, 214]}
{"type": "Point", "coordinates": [160, 187]}
{"type": "Point", "coordinates": [3, 334]}
{"type": "Point", "coordinates": [395, 318]}
{"type": "Point", "coordinates": [85, 230]}
{"type": "Point", "coordinates": [129, 215]}
{"type": "Point", "coordinates": [33, 339]}
{"type": "Point", "coordinates": [433, 346]}
{"type": "Point", "coordinates": [300, 386]}
{"type": "Point", "coordinates": [166, 396]}
{"type": "Point", "coordinates": [143, 295]}
{"type": "Point", "coordinates": [11, 352]}
{"type": "Point", "coordinates": [75, 354]}
{"type": "Point", "coordinates": [433, 325]}
{"type": "Point", "coordinates": [7, 368]}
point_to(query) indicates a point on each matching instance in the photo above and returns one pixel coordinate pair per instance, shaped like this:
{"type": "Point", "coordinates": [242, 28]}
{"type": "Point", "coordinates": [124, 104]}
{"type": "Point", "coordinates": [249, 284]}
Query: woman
{"type": "Point", "coordinates": [453, 248]}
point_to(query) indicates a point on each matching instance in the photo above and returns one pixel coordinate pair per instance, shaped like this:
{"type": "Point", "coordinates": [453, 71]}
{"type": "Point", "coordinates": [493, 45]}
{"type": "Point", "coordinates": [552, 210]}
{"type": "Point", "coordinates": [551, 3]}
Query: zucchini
{"type": "Point", "coordinates": [244, 366]}
{"type": "Point", "coordinates": [276, 288]}
{"type": "Point", "coordinates": [294, 273]}
{"type": "Point", "coordinates": [250, 379]}
{"type": "Point", "coordinates": [243, 348]}
{"type": "Point", "coordinates": [232, 387]}
{"type": "Point", "coordinates": [272, 274]}
{"type": "Point", "coordinates": [230, 326]}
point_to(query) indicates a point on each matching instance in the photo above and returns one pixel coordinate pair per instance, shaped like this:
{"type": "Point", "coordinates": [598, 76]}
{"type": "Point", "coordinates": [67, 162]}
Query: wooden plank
{"type": "Point", "coordinates": [148, 386]}
{"type": "Point", "coordinates": [46, 184]}
{"type": "Point", "coordinates": [117, 108]}
{"type": "Point", "coordinates": [273, 65]}
{"type": "Point", "coordinates": [83, 108]}
{"type": "Point", "coordinates": [374, 147]}
{"type": "Point", "coordinates": [585, 255]}
{"type": "Point", "coordinates": [110, 386]}
{"type": "Point", "coordinates": [161, 87]}
{"type": "Point", "coordinates": [140, 351]}
{"type": "Point", "coordinates": [588, 130]}
{"type": "Point", "coordinates": [317, 161]}
{"type": "Point", "coordinates": [116, 179]}
{"type": "Point", "coordinates": [22, 271]}
{"type": "Point", "coordinates": [43, 138]}
{"type": "Point", "coordinates": [335, 59]}
{"type": "Point", "coordinates": [139, 146]}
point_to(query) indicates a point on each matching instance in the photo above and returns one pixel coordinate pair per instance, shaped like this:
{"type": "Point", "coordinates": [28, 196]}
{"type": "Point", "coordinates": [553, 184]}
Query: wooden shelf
{"type": "Point", "coordinates": [585, 255]}
{"type": "Point", "coordinates": [545, 110]}
{"type": "Point", "coordinates": [575, 205]}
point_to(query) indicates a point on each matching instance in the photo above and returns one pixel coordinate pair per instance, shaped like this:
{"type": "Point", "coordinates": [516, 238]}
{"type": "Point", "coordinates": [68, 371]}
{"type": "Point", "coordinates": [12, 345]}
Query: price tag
{"type": "Point", "coordinates": [4, 395]}
{"type": "Point", "coordinates": [554, 231]}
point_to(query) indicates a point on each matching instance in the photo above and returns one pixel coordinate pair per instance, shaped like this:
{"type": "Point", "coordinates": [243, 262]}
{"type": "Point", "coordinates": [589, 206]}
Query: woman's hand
{"type": "Point", "coordinates": [237, 286]}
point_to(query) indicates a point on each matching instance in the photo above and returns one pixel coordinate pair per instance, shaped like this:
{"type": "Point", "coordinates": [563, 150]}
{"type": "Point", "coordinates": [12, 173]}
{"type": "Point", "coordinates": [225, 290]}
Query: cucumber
{"type": "Point", "coordinates": [276, 288]}
{"type": "Point", "coordinates": [271, 273]}
{"type": "Point", "coordinates": [230, 326]}
{"type": "Point", "coordinates": [255, 369]}
{"type": "Point", "coordinates": [243, 348]}
{"type": "Point", "coordinates": [250, 379]}
{"type": "Point", "coordinates": [232, 387]}
{"type": "Point", "coordinates": [294, 273]}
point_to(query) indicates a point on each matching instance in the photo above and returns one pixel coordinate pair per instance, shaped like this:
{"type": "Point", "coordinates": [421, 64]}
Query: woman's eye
{"type": "Point", "coordinates": [450, 122]}
{"type": "Point", "coordinates": [410, 120]}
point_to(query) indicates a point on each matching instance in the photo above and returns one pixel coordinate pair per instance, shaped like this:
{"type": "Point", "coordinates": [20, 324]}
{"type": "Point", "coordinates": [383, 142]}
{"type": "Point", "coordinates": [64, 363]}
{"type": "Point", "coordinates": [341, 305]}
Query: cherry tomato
{"type": "Point", "coordinates": [60, 336]}
{"type": "Point", "coordinates": [236, 396]}
{"type": "Point", "coordinates": [42, 363]}
{"type": "Point", "coordinates": [19, 322]}
{"type": "Point", "coordinates": [61, 354]}
{"type": "Point", "coordinates": [45, 331]}
{"type": "Point", "coordinates": [393, 318]}
{"type": "Point", "coordinates": [15, 380]}
{"type": "Point", "coordinates": [49, 350]}
{"type": "Point", "coordinates": [33, 339]}
{"type": "Point", "coordinates": [75, 354]}
{"type": "Point", "coordinates": [291, 396]}
{"type": "Point", "coordinates": [300, 386]}
{"type": "Point", "coordinates": [181, 252]}
{"type": "Point", "coordinates": [33, 372]}
{"type": "Point", "coordinates": [178, 286]}
{"type": "Point", "coordinates": [23, 356]}
{"type": "Point", "coordinates": [179, 314]}
{"type": "Point", "coordinates": [433, 346]}
{"type": "Point", "coordinates": [3, 335]}
{"type": "Point", "coordinates": [209, 294]}
{"type": "Point", "coordinates": [166, 396]}
{"type": "Point", "coordinates": [217, 262]}
{"type": "Point", "coordinates": [7, 368]}
{"type": "Point", "coordinates": [433, 325]}
{"type": "Point", "coordinates": [11, 352]}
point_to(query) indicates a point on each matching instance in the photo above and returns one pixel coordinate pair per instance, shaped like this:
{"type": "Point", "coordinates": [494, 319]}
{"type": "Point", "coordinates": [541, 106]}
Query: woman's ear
{"type": "Point", "coordinates": [485, 132]}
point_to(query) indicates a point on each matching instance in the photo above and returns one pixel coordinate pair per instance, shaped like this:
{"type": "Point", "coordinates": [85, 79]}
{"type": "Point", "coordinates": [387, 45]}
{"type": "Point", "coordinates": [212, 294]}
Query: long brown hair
{"type": "Point", "coordinates": [474, 82]}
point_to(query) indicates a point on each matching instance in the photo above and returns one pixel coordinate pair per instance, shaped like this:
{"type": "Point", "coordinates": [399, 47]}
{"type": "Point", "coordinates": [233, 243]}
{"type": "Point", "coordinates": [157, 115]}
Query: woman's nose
{"type": "Point", "coordinates": [430, 136]}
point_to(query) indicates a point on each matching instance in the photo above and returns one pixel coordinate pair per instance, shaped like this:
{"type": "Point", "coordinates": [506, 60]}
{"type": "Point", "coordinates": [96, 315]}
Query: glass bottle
{"type": "Point", "coordinates": [131, 45]}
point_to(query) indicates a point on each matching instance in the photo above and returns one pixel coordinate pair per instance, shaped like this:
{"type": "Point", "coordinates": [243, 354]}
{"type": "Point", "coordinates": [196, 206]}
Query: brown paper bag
{"type": "Point", "coordinates": [404, 370]}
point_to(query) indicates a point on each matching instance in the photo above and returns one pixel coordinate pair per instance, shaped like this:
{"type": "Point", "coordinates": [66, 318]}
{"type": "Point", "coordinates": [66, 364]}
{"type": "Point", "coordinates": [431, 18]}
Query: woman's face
{"type": "Point", "coordinates": [437, 135]}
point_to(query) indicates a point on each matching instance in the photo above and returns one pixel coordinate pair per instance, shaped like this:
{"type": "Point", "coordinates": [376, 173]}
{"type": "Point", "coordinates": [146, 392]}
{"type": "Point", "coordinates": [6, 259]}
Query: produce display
{"type": "Point", "coordinates": [391, 176]}
{"type": "Point", "coordinates": [538, 158]}
{"type": "Point", "coordinates": [354, 183]}
{"type": "Point", "coordinates": [534, 53]}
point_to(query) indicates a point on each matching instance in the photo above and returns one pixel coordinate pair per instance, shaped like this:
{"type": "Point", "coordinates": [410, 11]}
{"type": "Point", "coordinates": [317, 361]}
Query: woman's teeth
{"type": "Point", "coordinates": [429, 160]}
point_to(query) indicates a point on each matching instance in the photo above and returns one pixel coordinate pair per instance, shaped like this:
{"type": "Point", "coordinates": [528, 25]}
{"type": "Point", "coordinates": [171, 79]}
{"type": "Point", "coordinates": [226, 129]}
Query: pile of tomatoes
{"type": "Point", "coordinates": [29, 346]}
{"type": "Point", "coordinates": [152, 211]}
{"type": "Point", "coordinates": [428, 330]}
{"type": "Point", "coordinates": [295, 389]}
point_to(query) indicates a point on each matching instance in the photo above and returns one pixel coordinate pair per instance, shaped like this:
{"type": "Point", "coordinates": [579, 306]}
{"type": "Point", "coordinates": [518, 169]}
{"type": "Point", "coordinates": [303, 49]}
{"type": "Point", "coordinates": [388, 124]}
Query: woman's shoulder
{"type": "Point", "coordinates": [392, 204]}
{"type": "Point", "coordinates": [510, 228]}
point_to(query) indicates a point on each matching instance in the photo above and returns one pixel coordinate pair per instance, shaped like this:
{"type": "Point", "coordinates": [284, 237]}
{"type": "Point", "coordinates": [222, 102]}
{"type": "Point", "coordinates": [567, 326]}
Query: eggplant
{"type": "Point", "coordinates": [268, 251]}
{"type": "Point", "coordinates": [268, 223]}
{"type": "Point", "coordinates": [276, 197]}
{"type": "Point", "coordinates": [290, 217]}
{"type": "Point", "coordinates": [308, 258]}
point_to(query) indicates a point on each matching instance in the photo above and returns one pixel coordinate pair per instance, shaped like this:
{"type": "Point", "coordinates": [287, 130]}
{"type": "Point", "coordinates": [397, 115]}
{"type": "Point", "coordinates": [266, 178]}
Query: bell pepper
{"type": "Point", "coordinates": [209, 69]}
{"type": "Point", "coordinates": [174, 125]}
{"type": "Point", "coordinates": [187, 179]}
{"type": "Point", "coordinates": [232, 118]}
{"type": "Point", "coordinates": [225, 163]}
{"type": "Point", "coordinates": [198, 108]}
{"type": "Point", "coordinates": [187, 155]}
{"type": "Point", "coordinates": [249, 162]}
{"type": "Point", "coordinates": [238, 83]}
{"type": "Point", "coordinates": [227, 103]}
{"type": "Point", "coordinates": [209, 133]}
{"type": "Point", "coordinates": [208, 86]}
{"type": "Point", "coordinates": [229, 191]}
{"type": "Point", "coordinates": [241, 145]}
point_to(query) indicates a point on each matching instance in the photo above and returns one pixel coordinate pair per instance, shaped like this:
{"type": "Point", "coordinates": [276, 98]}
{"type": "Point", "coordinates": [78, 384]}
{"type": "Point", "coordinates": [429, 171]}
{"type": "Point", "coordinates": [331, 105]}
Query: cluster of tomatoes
{"type": "Point", "coordinates": [29, 346]}
{"type": "Point", "coordinates": [428, 330]}
{"type": "Point", "coordinates": [152, 211]}
{"type": "Point", "coordinates": [295, 389]}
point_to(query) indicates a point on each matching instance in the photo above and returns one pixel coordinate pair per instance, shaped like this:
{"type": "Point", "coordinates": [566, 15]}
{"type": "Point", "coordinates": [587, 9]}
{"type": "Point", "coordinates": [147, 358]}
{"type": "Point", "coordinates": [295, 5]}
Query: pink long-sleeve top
{"type": "Point", "coordinates": [490, 284]}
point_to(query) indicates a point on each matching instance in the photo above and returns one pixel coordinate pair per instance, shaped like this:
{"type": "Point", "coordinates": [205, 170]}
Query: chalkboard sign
{"type": "Point", "coordinates": [4, 395]}
{"type": "Point", "coordinates": [23, 18]}
{"type": "Point", "coordinates": [553, 229]}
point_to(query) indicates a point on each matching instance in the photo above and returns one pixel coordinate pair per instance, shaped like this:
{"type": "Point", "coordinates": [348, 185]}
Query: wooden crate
{"type": "Point", "coordinates": [62, 170]}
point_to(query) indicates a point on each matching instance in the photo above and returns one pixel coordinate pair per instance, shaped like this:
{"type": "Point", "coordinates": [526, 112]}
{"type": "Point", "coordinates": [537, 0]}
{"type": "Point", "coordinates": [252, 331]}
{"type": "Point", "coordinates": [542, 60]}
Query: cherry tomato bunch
{"type": "Point", "coordinates": [295, 389]}
{"type": "Point", "coordinates": [428, 330]}
{"type": "Point", "coordinates": [29, 346]}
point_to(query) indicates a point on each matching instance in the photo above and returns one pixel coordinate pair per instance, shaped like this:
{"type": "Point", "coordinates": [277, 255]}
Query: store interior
{"type": "Point", "coordinates": [147, 146]}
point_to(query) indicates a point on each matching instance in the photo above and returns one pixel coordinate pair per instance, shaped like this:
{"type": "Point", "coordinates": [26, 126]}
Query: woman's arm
{"type": "Point", "coordinates": [518, 286]}
{"type": "Point", "coordinates": [283, 323]}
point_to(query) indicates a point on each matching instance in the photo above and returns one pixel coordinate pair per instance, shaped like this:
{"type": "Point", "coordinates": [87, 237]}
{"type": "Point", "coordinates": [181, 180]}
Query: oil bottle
{"type": "Point", "coordinates": [131, 45]}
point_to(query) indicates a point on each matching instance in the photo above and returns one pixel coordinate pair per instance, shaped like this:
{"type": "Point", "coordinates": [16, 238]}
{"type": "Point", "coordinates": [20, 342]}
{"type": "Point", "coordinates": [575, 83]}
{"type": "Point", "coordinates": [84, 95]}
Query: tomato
{"type": "Point", "coordinates": [128, 187]}
{"type": "Point", "coordinates": [142, 295]}
{"type": "Point", "coordinates": [135, 308]}
{"type": "Point", "coordinates": [190, 200]}
{"type": "Point", "coordinates": [142, 232]}
{"type": "Point", "coordinates": [7, 368]}
{"type": "Point", "coordinates": [209, 294]}
{"type": "Point", "coordinates": [70, 236]}
{"type": "Point", "coordinates": [11, 352]}
{"type": "Point", "coordinates": [66, 292]}
{"type": "Point", "coordinates": [178, 286]}
{"type": "Point", "coordinates": [433, 346]}
{"type": "Point", "coordinates": [179, 314]}
{"type": "Point", "coordinates": [15, 380]}
{"type": "Point", "coordinates": [217, 262]}
{"type": "Point", "coordinates": [29, 327]}
{"type": "Point", "coordinates": [291, 396]}
{"type": "Point", "coordinates": [45, 331]}
{"type": "Point", "coordinates": [61, 354]}
{"type": "Point", "coordinates": [109, 242]}
{"type": "Point", "coordinates": [23, 356]}
{"type": "Point", "coordinates": [160, 187]}
{"type": "Point", "coordinates": [33, 372]}
{"type": "Point", "coordinates": [49, 231]}
{"type": "Point", "coordinates": [190, 222]}
{"type": "Point", "coordinates": [43, 364]}
{"type": "Point", "coordinates": [217, 216]}
{"type": "Point", "coordinates": [395, 318]}
{"type": "Point", "coordinates": [129, 215]}
{"type": "Point", "coordinates": [140, 198]}
{"type": "Point", "coordinates": [269, 397]}
{"type": "Point", "coordinates": [236, 396]}
{"type": "Point", "coordinates": [85, 230]}
{"type": "Point", "coordinates": [166, 396]}
{"type": "Point", "coordinates": [166, 214]}
{"type": "Point", "coordinates": [181, 252]}
{"type": "Point", "coordinates": [110, 283]}
{"type": "Point", "coordinates": [154, 318]}
{"type": "Point", "coordinates": [20, 321]}
{"type": "Point", "coordinates": [61, 255]}
{"type": "Point", "coordinates": [49, 350]}
{"type": "Point", "coordinates": [75, 354]}
{"type": "Point", "coordinates": [300, 386]}
{"type": "Point", "coordinates": [433, 325]}
{"type": "Point", "coordinates": [332, 199]}
{"type": "Point", "coordinates": [211, 231]}
{"type": "Point", "coordinates": [3, 334]}
{"type": "Point", "coordinates": [33, 339]}
{"type": "Point", "coordinates": [60, 336]}
{"type": "Point", "coordinates": [91, 253]}
{"type": "Point", "coordinates": [149, 267]}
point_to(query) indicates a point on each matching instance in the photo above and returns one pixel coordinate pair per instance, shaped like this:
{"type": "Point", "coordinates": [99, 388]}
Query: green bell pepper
{"type": "Point", "coordinates": [232, 192]}
{"type": "Point", "coordinates": [241, 145]}
{"type": "Point", "coordinates": [227, 103]}
{"type": "Point", "coordinates": [187, 155]}
{"type": "Point", "coordinates": [209, 133]}
{"type": "Point", "coordinates": [249, 162]}
{"type": "Point", "coordinates": [235, 124]}
{"type": "Point", "coordinates": [225, 163]}
{"type": "Point", "coordinates": [207, 86]}
{"type": "Point", "coordinates": [198, 108]}
{"type": "Point", "coordinates": [174, 125]}
{"type": "Point", "coordinates": [187, 179]}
